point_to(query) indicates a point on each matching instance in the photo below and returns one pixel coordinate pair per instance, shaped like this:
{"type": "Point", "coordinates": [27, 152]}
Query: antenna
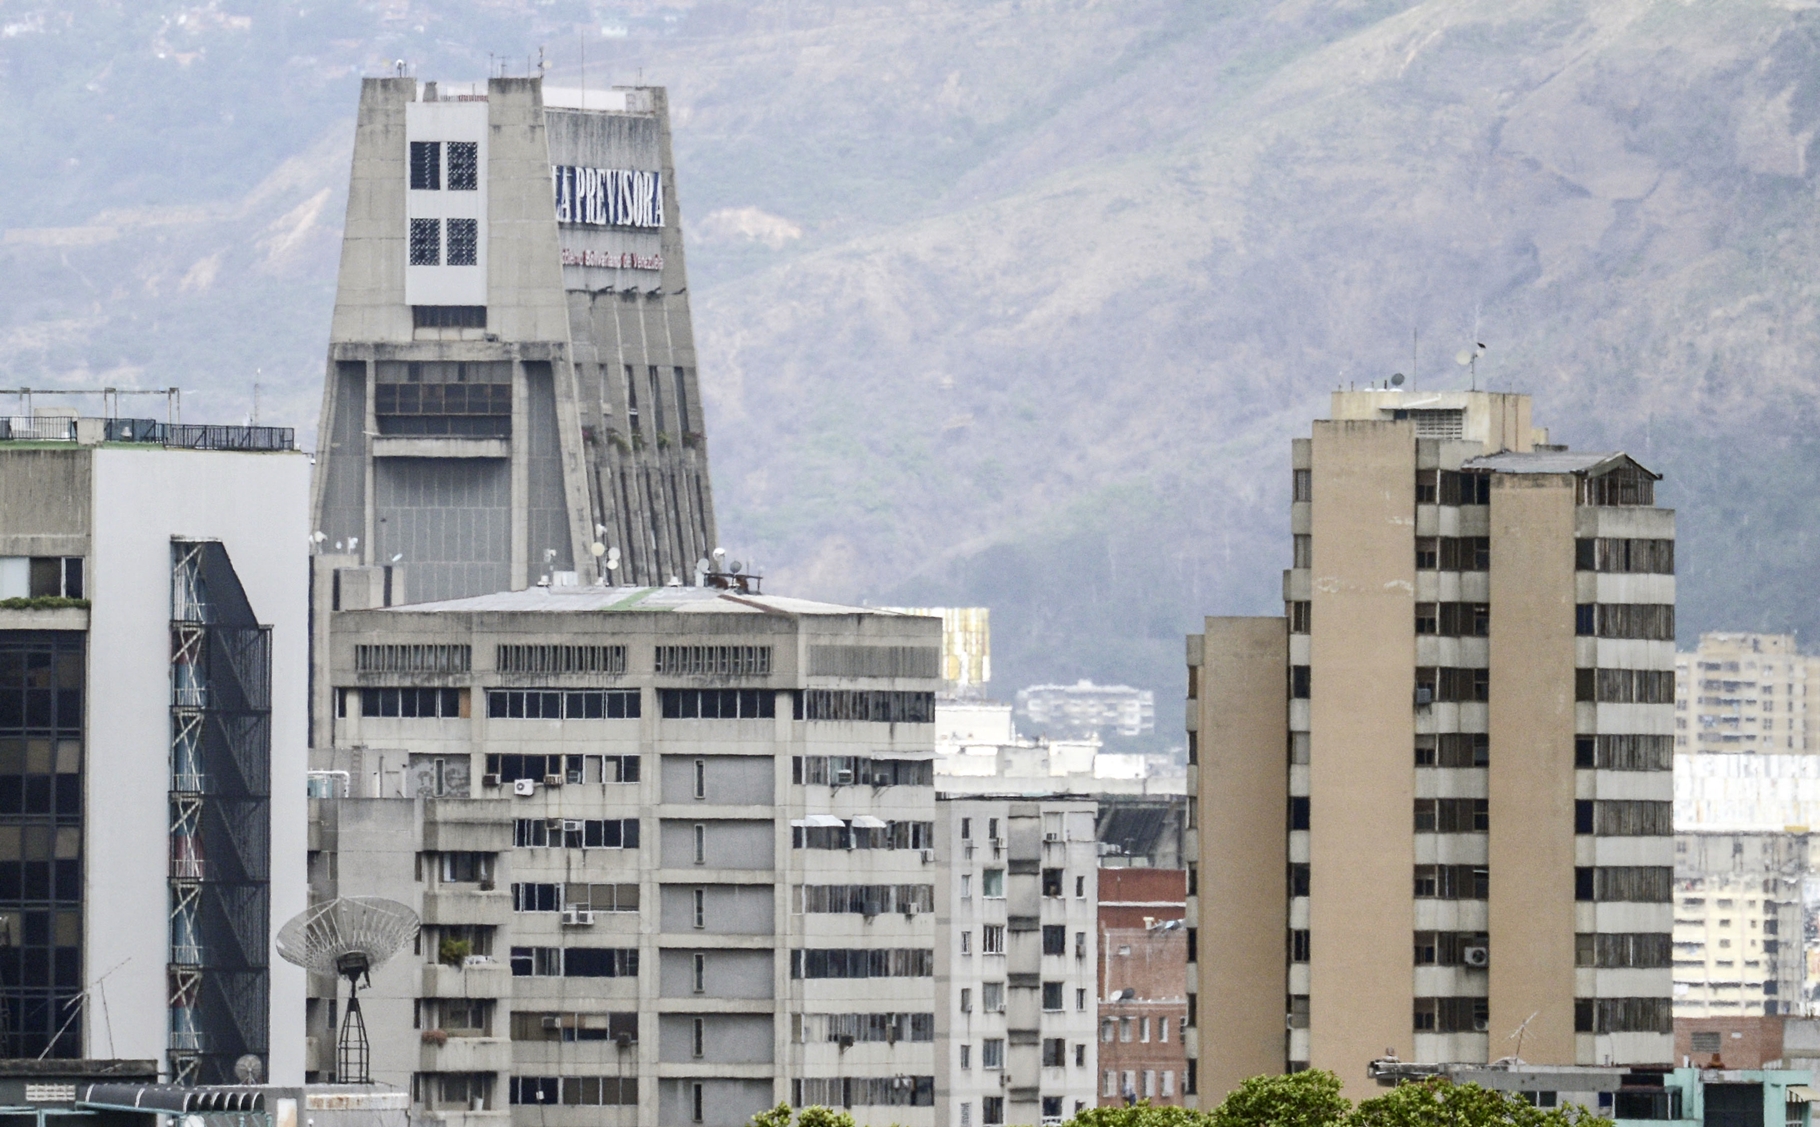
{"type": "Point", "coordinates": [1415, 352]}
{"type": "Point", "coordinates": [1469, 358]}
{"type": "Point", "coordinates": [1518, 1036]}
{"type": "Point", "coordinates": [348, 936]}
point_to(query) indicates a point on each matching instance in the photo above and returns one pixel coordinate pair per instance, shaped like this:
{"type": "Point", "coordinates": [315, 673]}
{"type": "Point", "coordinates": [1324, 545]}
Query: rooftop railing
{"type": "Point", "coordinates": [175, 436]}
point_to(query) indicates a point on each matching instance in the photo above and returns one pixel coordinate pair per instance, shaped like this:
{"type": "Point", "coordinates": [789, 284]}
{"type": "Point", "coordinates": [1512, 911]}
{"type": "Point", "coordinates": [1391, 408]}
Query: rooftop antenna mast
{"type": "Point", "coordinates": [1469, 358]}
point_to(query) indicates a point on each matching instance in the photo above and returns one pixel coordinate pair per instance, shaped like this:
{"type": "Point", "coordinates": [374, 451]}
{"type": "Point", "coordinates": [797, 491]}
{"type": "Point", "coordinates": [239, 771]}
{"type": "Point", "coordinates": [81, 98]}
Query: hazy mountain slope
{"type": "Point", "coordinates": [1018, 302]}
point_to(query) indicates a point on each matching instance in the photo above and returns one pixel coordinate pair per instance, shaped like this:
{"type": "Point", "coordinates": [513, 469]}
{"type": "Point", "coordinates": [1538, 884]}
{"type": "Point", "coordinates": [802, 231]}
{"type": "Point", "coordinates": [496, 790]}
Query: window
{"type": "Point", "coordinates": [1464, 488]}
{"type": "Point", "coordinates": [1055, 1052]}
{"type": "Point", "coordinates": [1425, 487]}
{"type": "Point", "coordinates": [992, 1052]}
{"type": "Point", "coordinates": [1298, 750]}
{"type": "Point", "coordinates": [992, 997]}
{"type": "Point", "coordinates": [410, 702]}
{"type": "Point", "coordinates": [1052, 882]}
{"type": "Point", "coordinates": [966, 943]}
{"type": "Point", "coordinates": [966, 829]}
{"type": "Point", "coordinates": [1055, 940]}
{"type": "Point", "coordinates": [449, 316]}
{"type": "Point", "coordinates": [412, 659]}
{"type": "Point", "coordinates": [1452, 1015]}
{"type": "Point", "coordinates": [1462, 553]}
{"type": "Point", "coordinates": [1453, 749]}
{"type": "Point", "coordinates": [1299, 616]}
{"type": "Point", "coordinates": [1637, 884]}
{"type": "Point", "coordinates": [1162, 1030]}
{"type": "Point", "coordinates": [1452, 882]}
{"type": "Point", "coordinates": [859, 770]}
{"type": "Point", "coordinates": [464, 166]}
{"type": "Point", "coordinates": [1080, 883]}
{"type": "Point", "coordinates": [1624, 818]}
{"type": "Point", "coordinates": [1304, 550]}
{"type": "Point", "coordinates": [698, 973]}
{"type": "Point", "coordinates": [1451, 684]}
{"type": "Point", "coordinates": [695, 1102]}
{"type": "Point", "coordinates": [992, 939]}
{"type": "Point", "coordinates": [1125, 1030]}
{"type": "Point", "coordinates": [718, 704]}
{"type": "Point", "coordinates": [1144, 1030]}
{"type": "Point", "coordinates": [1080, 1000]}
{"type": "Point", "coordinates": [572, 1027]}
{"type": "Point", "coordinates": [1298, 1011]}
{"type": "Point", "coordinates": [1452, 815]}
{"type": "Point", "coordinates": [1303, 485]}
{"type": "Point", "coordinates": [992, 1110]}
{"type": "Point", "coordinates": [966, 1055]}
{"type": "Point", "coordinates": [610, 660]}
{"type": "Point", "coordinates": [1052, 996]}
{"type": "Point", "coordinates": [1080, 1056]}
{"type": "Point", "coordinates": [868, 900]}
{"type": "Point", "coordinates": [701, 913]}
{"type": "Point", "coordinates": [562, 704]}
{"type": "Point", "coordinates": [701, 844]}
{"type": "Point", "coordinates": [992, 884]}
{"type": "Point", "coordinates": [1428, 553]}
{"type": "Point", "coordinates": [1625, 686]}
{"type": "Point", "coordinates": [573, 1091]}
{"type": "Point", "coordinates": [1426, 620]}
{"type": "Point", "coordinates": [467, 868]}
{"type": "Point", "coordinates": [701, 778]}
{"type": "Point", "coordinates": [1298, 812]}
{"type": "Point", "coordinates": [1298, 878]}
{"type": "Point", "coordinates": [426, 242]}
{"type": "Point", "coordinates": [966, 886]}
{"type": "Point", "coordinates": [1648, 621]}
{"type": "Point", "coordinates": [1634, 949]}
{"type": "Point", "coordinates": [464, 242]}
{"type": "Point", "coordinates": [876, 706]}
{"type": "Point", "coordinates": [1299, 682]}
{"type": "Point", "coordinates": [697, 1039]}
{"type": "Point", "coordinates": [1451, 948]}
{"type": "Point", "coordinates": [575, 833]}
{"type": "Point", "coordinates": [1298, 945]}
{"type": "Point", "coordinates": [863, 962]}
{"type": "Point", "coordinates": [1626, 484]}
{"type": "Point", "coordinates": [426, 166]}
{"type": "Point", "coordinates": [1656, 557]}
{"type": "Point", "coordinates": [1623, 1015]}
{"type": "Point", "coordinates": [536, 897]}
{"type": "Point", "coordinates": [575, 962]}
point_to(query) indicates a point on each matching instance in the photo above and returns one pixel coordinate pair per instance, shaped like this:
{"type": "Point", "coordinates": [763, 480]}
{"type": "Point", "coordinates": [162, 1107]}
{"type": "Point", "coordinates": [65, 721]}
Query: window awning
{"type": "Point", "coordinates": [1802, 1094]}
{"type": "Point", "coordinates": [867, 822]}
{"type": "Point", "coordinates": [821, 821]}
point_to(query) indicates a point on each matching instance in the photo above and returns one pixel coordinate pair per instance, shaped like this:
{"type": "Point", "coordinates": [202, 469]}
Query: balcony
{"type": "Point", "coordinates": [466, 1054]}
{"type": "Point", "coordinates": [478, 980]}
{"type": "Point", "coordinates": [467, 906]}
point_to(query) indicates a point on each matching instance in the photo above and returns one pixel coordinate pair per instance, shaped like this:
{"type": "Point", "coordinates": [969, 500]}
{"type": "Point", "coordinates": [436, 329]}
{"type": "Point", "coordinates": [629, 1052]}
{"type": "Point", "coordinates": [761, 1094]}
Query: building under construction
{"type": "Point", "coordinates": [511, 389]}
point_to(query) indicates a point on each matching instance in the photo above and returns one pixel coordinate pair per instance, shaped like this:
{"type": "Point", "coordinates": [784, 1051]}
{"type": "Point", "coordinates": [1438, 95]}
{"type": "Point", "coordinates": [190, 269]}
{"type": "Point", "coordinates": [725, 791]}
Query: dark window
{"type": "Point", "coordinates": [1625, 686]}
{"type": "Point", "coordinates": [1465, 553]}
{"type": "Point", "coordinates": [1637, 884]}
{"type": "Point", "coordinates": [1426, 620]}
{"type": "Point", "coordinates": [1052, 995]}
{"type": "Point", "coordinates": [1452, 1015]}
{"type": "Point", "coordinates": [1650, 557]}
{"type": "Point", "coordinates": [1452, 815]}
{"type": "Point", "coordinates": [1428, 553]}
{"type": "Point", "coordinates": [1583, 751]}
{"type": "Point", "coordinates": [1583, 816]}
{"type": "Point", "coordinates": [464, 241]}
{"type": "Point", "coordinates": [410, 702]}
{"type": "Point", "coordinates": [862, 962]}
{"type": "Point", "coordinates": [1055, 939]}
{"type": "Point", "coordinates": [1299, 617]}
{"type": "Point", "coordinates": [1649, 950]}
{"type": "Point", "coordinates": [1452, 882]}
{"type": "Point", "coordinates": [1298, 812]}
{"type": "Point", "coordinates": [1298, 681]}
{"type": "Point", "coordinates": [1194, 748]}
{"type": "Point", "coordinates": [1052, 882]}
{"type": "Point", "coordinates": [1425, 487]}
{"type": "Point", "coordinates": [1194, 944]}
{"type": "Point", "coordinates": [449, 316]}
{"type": "Point", "coordinates": [1647, 621]}
{"type": "Point", "coordinates": [1298, 878]}
{"type": "Point", "coordinates": [876, 706]}
{"type": "Point", "coordinates": [426, 165]}
{"type": "Point", "coordinates": [1055, 1055]}
{"type": "Point", "coordinates": [426, 242]}
{"type": "Point", "coordinates": [1304, 485]}
{"type": "Point", "coordinates": [1298, 945]}
{"type": "Point", "coordinates": [1632, 1015]}
{"type": "Point", "coordinates": [1628, 484]}
{"type": "Point", "coordinates": [1631, 818]}
{"type": "Point", "coordinates": [562, 704]}
{"type": "Point", "coordinates": [1465, 488]}
{"type": "Point", "coordinates": [464, 166]}
{"type": "Point", "coordinates": [718, 704]}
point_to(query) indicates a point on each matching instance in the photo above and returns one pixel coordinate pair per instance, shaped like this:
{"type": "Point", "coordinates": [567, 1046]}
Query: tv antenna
{"type": "Point", "coordinates": [1469, 358]}
{"type": "Point", "coordinates": [1521, 1029]}
{"type": "Point", "coordinates": [348, 936]}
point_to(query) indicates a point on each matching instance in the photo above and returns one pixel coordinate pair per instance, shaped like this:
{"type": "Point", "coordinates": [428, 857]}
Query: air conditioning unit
{"type": "Point", "coordinates": [577, 917]}
{"type": "Point", "coordinates": [1052, 835]}
{"type": "Point", "coordinates": [524, 788]}
{"type": "Point", "coordinates": [552, 780]}
{"type": "Point", "coordinates": [1475, 956]}
{"type": "Point", "coordinates": [571, 825]}
{"type": "Point", "coordinates": [1481, 1025]}
{"type": "Point", "coordinates": [1425, 695]}
{"type": "Point", "coordinates": [489, 780]}
{"type": "Point", "coordinates": [551, 1021]}
{"type": "Point", "coordinates": [928, 856]}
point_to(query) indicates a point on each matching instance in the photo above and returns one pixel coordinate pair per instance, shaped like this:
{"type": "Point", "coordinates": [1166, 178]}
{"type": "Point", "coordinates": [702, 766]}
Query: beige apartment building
{"type": "Point", "coordinates": [1746, 693]}
{"type": "Point", "coordinates": [1432, 801]}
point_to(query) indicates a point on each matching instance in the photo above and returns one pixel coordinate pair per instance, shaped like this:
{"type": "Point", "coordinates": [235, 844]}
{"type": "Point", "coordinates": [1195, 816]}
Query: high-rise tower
{"type": "Point", "coordinates": [511, 375]}
{"type": "Point", "coordinates": [1434, 798]}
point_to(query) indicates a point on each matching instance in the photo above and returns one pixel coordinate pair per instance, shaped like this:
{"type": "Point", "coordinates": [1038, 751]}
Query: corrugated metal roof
{"type": "Point", "coordinates": [1550, 461]}
{"type": "Point", "coordinates": [648, 600]}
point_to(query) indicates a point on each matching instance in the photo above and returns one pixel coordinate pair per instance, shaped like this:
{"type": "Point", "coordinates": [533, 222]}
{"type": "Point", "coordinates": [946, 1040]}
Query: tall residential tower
{"type": "Point", "coordinates": [511, 377]}
{"type": "Point", "coordinates": [1434, 798]}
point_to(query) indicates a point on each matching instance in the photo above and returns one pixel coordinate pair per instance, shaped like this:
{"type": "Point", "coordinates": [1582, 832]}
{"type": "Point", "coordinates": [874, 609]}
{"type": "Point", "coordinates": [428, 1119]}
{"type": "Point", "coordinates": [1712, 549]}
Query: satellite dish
{"type": "Point", "coordinates": [600, 530]}
{"type": "Point", "coordinates": [736, 567]}
{"type": "Point", "coordinates": [1463, 357]}
{"type": "Point", "coordinates": [612, 564]}
{"type": "Point", "coordinates": [348, 936]}
{"type": "Point", "coordinates": [1396, 380]}
{"type": "Point", "coordinates": [249, 1069]}
{"type": "Point", "coordinates": [597, 549]}
{"type": "Point", "coordinates": [720, 553]}
{"type": "Point", "coordinates": [613, 553]}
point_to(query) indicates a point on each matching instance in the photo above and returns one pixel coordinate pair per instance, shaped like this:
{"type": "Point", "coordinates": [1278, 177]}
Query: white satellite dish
{"type": "Point", "coordinates": [597, 549]}
{"type": "Point", "coordinates": [348, 936]}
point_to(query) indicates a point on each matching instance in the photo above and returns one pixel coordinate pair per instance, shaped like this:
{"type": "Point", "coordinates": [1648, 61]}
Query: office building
{"type": "Point", "coordinates": [1746, 693]}
{"type": "Point", "coordinates": [674, 849]}
{"type": "Point", "coordinates": [1433, 799]}
{"type": "Point", "coordinates": [153, 655]}
{"type": "Point", "coordinates": [511, 373]}
{"type": "Point", "coordinates": [1739, 923]}
{"type": "Point", "coordinates": [1144, 945]}
{"type": "Point", "coordinates": [1085, 708]}
{"type": "Point", "coordinates": [1015, 959]}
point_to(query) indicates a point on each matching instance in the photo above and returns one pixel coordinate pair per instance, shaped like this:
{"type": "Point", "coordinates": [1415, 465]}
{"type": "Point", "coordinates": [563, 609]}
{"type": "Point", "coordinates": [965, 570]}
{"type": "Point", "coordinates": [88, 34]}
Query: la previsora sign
{"type": "Point", "coordinates": [609, 197]}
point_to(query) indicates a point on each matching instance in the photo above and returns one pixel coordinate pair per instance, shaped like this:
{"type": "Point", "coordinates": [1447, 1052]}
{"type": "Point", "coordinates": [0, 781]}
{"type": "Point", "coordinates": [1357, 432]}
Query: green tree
{"type": "Point", "coordinates": [1436, 1102]}
{"type": "Point", "coordinates": [814, 1116]}
{"type": "Point", "coordinates": [1140, 1114]}
{"type": "Point", "coordinates": [1310, 1098]}
{"type": "Point", "coordinates": [778, 1116]}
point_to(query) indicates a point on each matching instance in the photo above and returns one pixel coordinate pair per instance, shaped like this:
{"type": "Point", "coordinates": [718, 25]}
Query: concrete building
{"type": "Point", "coordinates": [153, 661]}
{"type": "Point", "coordinates": [1742, 1041]}
{"type": "Point", "coordinates": [1144, 945]}
{"type": "Point", "coordinates": [1746, 693]}
{"type": "Point", "coordinates": [674, 849]}
{"type": "Point", "coordinates": [1085, 708]}
{"type": "Point", "coordinates": [1444, 773]}
{"type": "Point", "coordinates": [980, 751]}
{"type": "Point", "coordinates": [1015, 959]}
{"type": "Point", "coordinates": [511, 372]}
{"type": "Point", "coordinates": [1739, 924]}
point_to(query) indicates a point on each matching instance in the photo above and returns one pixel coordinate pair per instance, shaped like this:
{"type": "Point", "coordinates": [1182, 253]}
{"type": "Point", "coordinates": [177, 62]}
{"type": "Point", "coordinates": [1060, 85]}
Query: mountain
{"type": "Point", "coordinates": [1018, 303]}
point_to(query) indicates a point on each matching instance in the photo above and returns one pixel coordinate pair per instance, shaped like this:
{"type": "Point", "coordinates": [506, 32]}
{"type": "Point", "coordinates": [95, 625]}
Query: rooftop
{"type": "Point", "coordinates": [62, 429]}
{"type": "Point", "coordinates": [1553, 462]}
{"type": "Point", "coordinates": [644, 600]}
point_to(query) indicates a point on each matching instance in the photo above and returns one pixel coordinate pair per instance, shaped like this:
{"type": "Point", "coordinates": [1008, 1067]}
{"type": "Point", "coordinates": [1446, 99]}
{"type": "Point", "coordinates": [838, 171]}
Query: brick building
{"type": "Point", "coordinates": [1142, 985]}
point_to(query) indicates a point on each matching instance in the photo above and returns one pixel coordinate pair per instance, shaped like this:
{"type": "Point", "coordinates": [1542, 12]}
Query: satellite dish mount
{"type": "Point", "coordinates": [348, 937]}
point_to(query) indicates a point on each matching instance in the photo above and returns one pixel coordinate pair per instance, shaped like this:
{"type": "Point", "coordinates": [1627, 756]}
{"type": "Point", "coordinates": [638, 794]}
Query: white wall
{"type": "Point", "coordinates": [257, 505]}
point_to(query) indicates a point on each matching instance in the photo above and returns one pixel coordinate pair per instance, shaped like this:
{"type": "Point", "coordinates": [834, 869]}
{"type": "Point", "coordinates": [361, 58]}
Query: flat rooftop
{"type": "Point", "coordinates": [642, 600]}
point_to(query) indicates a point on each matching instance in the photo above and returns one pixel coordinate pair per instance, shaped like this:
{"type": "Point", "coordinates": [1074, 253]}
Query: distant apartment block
{"type": "Point", "coordinates": [668, 872]}
{"type": "Point", "coordinates": [1739, 924]}
{"type": "Point", "coordinates": [980, 751]}
{"type": "Point", "coordinates": [1084, 707]}
{"type": "Point", "coordinates": [1144, 946]}
{"type": "Point", "coordinates": [1746, 693]}
{"type": "Point", "coordinates": [1434, 798]}
{"type": "Point", "coordinates": [1015, 960]}
{"type": "Point", "coordinates": [153, 664]}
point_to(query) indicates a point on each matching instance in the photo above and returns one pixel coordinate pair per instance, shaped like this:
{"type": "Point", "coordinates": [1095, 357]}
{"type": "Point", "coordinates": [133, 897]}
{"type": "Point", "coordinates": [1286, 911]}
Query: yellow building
{"type": "Point", "coordinates": [1433, 800]}
{"type": "Point", "coordinates": [1746, 693]}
